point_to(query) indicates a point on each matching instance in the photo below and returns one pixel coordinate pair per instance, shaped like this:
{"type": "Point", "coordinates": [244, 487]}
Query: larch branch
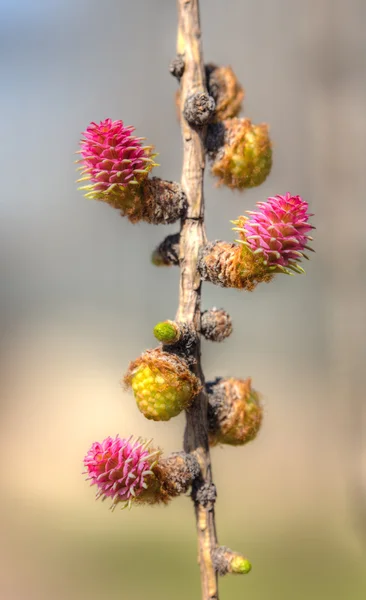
{"type": "Point", "coordinates": [192, 238]}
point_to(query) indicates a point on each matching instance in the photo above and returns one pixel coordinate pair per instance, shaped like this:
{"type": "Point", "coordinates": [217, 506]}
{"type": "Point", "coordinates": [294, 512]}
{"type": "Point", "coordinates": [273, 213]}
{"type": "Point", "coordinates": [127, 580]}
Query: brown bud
{"type": "Point", "coordinates": [226, 90]}
{"type": "Point", "coordinates": [167, 253]}
{"type": "Point", "coordinates": [155, 201]}
{"type": "Point", "coordinates": [177, 472]}
{"type": "Point", "coordinates": [162, 201]}
{"type": "Point", "coordinates": [234, 411]}
{"type": "Point", "coordinates": [204, 493]}
{"type": "Point", "coordinates": [230, 265]}
{"type": "Point", "coordinates": [216, 325]}
{"type": "Point", "coordinates": [199, 108]}
{"type": "Point", "coordinates": [176, 67]}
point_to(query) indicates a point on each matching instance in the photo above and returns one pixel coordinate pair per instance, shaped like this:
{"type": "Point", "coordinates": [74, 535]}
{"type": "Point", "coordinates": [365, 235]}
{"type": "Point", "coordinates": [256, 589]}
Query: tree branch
{"type": "Point", "coordinates": [192, 238]}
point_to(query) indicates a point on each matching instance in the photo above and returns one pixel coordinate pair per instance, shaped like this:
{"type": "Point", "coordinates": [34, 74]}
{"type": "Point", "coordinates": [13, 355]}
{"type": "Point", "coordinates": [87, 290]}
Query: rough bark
{"type": "Point", "coordinates": [192, 238]}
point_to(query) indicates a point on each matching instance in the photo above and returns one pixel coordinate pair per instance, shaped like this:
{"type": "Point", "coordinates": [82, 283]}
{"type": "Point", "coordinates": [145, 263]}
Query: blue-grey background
{"type": "Point", "coordinates": [79, 298]}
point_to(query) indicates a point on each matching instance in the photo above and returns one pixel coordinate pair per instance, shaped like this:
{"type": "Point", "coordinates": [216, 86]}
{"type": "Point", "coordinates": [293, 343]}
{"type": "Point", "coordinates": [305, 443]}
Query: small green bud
{"type": "Point", "coordinates": [241, 565]}
{"type": "Point", "coordinates": [227, 561]}
{"type": "Point", "coordinates": [167, 332]}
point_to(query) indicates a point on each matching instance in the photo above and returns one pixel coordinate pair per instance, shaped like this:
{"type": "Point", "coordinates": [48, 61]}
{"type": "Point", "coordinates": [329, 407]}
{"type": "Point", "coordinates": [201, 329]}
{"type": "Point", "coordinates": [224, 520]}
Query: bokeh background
{"type": "Point", "coordinates": [79, 298]}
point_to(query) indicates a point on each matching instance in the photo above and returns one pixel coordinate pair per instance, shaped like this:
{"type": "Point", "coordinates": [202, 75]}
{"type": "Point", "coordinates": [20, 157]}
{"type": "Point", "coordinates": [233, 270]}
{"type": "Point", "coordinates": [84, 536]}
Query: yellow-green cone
{"type": "Point", "coordinates": [162, 384]}
{"type": "Point", "coordinates": [245, 159]}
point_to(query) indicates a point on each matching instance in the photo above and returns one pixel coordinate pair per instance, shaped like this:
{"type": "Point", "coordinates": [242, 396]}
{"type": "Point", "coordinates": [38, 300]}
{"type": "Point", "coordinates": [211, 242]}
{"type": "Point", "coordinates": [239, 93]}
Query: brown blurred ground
{"type": "Point", "coordinates": [79, 299]}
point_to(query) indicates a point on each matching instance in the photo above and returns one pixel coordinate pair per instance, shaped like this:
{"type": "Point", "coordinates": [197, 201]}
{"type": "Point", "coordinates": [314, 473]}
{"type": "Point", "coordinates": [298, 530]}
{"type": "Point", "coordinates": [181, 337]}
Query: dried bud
{"type": "Point", "coordinates": [177, 472]}
{"type": "Point", "coordinates": [161, 202]}
{"type": "Point", "coordinates": [204, 493]}
{"type": "Point", "coordinates": [162, 383]}
{"type": "Point", "coordinates": [167, 332]}
{"type": "Point", "coordinates": [216, 325]}
{"type": "Point", "coordinates": [230, 265]}
{"type": "Point", "coordinates": [245, 158]}
{"type": "Point", "coordinates": [176, 67]}
{"type": "Point", "coordinates": [225, 89]}
{"type": "Point", "coordinates": [227, 561]}
{"type": "Point", "coordinates": [234, 411]}
{"type": "Point", "coordinates": [199, 108]}
{"type": "Point", "coordinates": [167, 253]}
{"type": "Point", "coordinates": [122, 469]}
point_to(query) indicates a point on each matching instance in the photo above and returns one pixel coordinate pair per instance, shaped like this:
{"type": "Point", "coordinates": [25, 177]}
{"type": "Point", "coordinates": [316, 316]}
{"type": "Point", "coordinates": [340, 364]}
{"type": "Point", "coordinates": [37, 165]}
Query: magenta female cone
{"type": "Point", "coordinates": [116, 166]}
{"type": "Point", "coordinates": [114, 162]}
{"type": "Point", "coordinates": [272, 240]}
{"type": "Point", "coordinates": [277, 234]}
{"type": "Point", "coordinates": [122, 469]}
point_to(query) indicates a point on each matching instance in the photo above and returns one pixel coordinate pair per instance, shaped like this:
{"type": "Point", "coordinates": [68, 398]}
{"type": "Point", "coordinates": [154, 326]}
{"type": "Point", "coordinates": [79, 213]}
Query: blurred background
{"type": "Point", "coordinates": [79, 299]}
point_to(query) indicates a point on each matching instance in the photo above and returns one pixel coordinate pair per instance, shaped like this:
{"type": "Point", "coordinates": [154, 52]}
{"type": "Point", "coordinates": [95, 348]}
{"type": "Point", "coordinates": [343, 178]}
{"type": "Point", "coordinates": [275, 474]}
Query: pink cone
{"type": "Point", "coordinates": [112, 157]}
{"type": "Point", "coordinates": [278, 232]}
{"type": "Point", "coordinates": [121, 468]}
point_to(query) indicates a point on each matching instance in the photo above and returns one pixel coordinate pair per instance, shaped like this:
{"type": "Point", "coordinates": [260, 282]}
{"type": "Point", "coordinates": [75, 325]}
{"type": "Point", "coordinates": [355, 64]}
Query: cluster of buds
{"type": "Point", "coordinates": [115, 168]}
{"type": "Point", "coordinates": [240, 152]}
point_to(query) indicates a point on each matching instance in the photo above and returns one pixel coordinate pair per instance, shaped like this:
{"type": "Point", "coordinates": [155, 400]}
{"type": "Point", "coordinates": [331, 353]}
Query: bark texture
{"type": "Point", "coordinates": [192, 239]}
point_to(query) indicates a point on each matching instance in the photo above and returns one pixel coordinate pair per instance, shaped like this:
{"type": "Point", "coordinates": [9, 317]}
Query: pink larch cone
{"type": "Point", "coordinates": [114, 161]}
{"type": "Point", "coordinates": [122, 470]}
{"type": "Point", "coordinates": [277, 234]}
{"type": "Point", "coordinates": [272, 240]}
